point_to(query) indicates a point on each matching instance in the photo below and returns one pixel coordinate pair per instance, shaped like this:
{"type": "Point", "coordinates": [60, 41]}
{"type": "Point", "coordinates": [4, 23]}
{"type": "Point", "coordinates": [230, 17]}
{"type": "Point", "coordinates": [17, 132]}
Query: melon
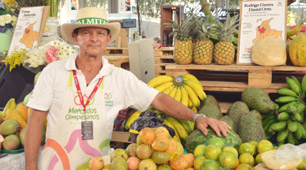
{"type": "Point", "coordinates": [297, 50]}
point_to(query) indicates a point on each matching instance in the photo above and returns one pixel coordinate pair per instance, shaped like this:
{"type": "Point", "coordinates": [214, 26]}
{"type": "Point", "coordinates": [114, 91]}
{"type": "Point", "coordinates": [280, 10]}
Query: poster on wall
{"type": "Point", "coordinates": [259, 19]}
{"type": "Point", "coordinates": [124, 6]}
{"type": "Point", "coordinates": [29, 28]}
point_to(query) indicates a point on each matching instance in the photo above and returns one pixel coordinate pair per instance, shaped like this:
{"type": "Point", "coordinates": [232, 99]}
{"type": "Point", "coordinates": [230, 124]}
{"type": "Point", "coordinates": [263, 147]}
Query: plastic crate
{"type": "Point", "coordinates": [15, 84]}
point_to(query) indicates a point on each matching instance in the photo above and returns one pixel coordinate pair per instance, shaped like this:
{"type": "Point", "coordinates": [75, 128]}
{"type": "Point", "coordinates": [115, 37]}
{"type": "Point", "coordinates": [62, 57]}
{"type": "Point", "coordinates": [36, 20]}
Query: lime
{"type": "Point", "coordinates": [232, 149]}
{"type": "Point", "coordinates": [246, 158]}
{"type": "Point", "coordinates": [227, 159]}
{"type": "Point", "coordinates": [264, 145]}
{"type": "Point", "coordinates": [199, 150]}
{"type": "Point", "coordinates": [212, 152]}
{"type": "Point", "coordinates": [198, 162]}
{"type": "Point", "coordinates": [210, 165]}
{"type": "Point", "coordinates": [246, 148]}
{"type": "Point", "coordinates": [216, 141]}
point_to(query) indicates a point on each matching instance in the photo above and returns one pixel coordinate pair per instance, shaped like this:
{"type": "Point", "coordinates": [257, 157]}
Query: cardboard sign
{"type": "Point", "coordinates": [258, 20]}
{"type": "Point", "coordinates": [29, 28]}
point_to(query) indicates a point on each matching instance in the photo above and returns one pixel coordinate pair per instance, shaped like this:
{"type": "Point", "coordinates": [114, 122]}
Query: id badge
{"type": "Point", "coordinates": [87, 130]}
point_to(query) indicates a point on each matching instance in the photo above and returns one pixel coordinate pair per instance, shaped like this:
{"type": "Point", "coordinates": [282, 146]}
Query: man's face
{"type": "Point", "coordinates": [92, 40]}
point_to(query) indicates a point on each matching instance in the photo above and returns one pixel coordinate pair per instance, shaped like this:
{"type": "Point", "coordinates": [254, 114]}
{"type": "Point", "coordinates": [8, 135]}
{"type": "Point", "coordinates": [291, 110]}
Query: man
{"type": "Point", "coordinates": [81, 97]}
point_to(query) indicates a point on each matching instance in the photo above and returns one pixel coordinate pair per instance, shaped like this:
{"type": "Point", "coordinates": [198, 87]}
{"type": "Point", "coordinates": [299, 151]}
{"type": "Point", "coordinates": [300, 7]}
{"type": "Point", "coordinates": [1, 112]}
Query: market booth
{"type": "Point", "coordinates": [248, 71]}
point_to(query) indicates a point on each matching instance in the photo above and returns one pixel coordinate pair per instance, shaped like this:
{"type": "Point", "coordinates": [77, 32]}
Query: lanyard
{"type": "Point", "coordinates": [77, 84]}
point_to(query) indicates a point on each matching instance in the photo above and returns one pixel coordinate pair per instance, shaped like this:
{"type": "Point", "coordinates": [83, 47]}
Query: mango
{"type": "Point", "coordinates": [8, 127]}
{"type": "Point", "coordinates": [14, 114]}
{"type": "Point", "coordinates": [11, 142]}
{"type": "Point", "coordinates": [23, 110]}
{"type": "Point", "coordinates": [11, 104]}
{"type": "Point", "coordinates": [22, 135]}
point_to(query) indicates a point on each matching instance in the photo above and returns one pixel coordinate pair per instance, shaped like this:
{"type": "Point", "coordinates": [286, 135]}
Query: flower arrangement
{"type": "Point", "coordinates": [8, 16]}
{"type": "Point", "coordinates": [37, 58]}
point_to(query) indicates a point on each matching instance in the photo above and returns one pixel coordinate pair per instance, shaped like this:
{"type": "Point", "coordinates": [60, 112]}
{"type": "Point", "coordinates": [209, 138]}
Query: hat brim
{"type": "Point", "coordinates": [67, 30]}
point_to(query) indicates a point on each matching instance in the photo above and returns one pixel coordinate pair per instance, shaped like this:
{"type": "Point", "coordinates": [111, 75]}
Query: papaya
{"type": "Point", "coordinates": [11, 104]}
{"type": "Point", "coordinates": [23, 110]}
{"type": "Point", "coordinates": [297, 51]}
{"type": "Point", "coordinates": [14, 114]}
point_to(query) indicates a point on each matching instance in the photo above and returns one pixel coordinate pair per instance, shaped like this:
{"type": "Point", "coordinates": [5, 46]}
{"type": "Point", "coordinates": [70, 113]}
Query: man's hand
{"type": "Point", "coordinates": [217, 125]}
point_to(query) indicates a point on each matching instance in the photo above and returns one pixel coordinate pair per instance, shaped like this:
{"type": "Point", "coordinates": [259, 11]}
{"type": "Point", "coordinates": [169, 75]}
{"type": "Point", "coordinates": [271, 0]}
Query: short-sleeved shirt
{"type": "Point", "coordinates": [122, 88]}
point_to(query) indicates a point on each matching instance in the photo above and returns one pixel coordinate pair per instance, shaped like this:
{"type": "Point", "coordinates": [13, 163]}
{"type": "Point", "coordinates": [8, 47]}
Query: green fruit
{"type": "Point", "coordinates": [147, 164]}
{"type": "Point", "coordinates": [9, 127]}
{"type": "Point", "coordinates": [160, 157]}
{"type": "Point", "coordinates": [11, 142]}
{"type": "Point", "coordinates": [246, 148]}
{"type": "Point", "coordinates": [228, 159]}
{"type": "Point", "coordinates": [216, 141]}
{"type": "Point", "coordinates": [210, 165]}
{"type": "Point", "coordinates": [198, 161]}
{"type": "Point", "coordinates": [119, 164]}
{"type": "Point", "coordinates": [212, 152]}
{"type": "Point", "coordinates": [196, 138]}
{"type": "Point", "coordinates": [164, 167]}
{"type": "Point", "coordinates": [199, 150]}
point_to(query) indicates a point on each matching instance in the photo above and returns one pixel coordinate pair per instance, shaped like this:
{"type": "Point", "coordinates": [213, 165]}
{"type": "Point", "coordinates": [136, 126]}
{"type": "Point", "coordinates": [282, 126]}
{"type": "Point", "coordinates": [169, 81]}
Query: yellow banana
{"type": "Point", "coordinates": [168, 90]}
{"type": "Point", "coordinates": [190, 104]}
{"type": "Point", "coordinates": [173, 91]}
{"type": "Point", "coordinates": [185, 97]}
{"type": "Point", "coordinates": [166, 122]}
{"type": "Point", "coordinates": [196, 88]}
{"type": "Point", "coordinates": [164, 86]}
{"type": "Point", "coordinates": [156, 81]}
{"type": "Point", "coordinates": [294, 31]}
{"type": "Point", "coordinates": [179, 127]}
{"type": "Point", "coordinates": [191, 124]}
{"type": "Point", "coordinates": [194, 109]}
{"type": "Point", "coordinates": [191, 77]}
{"type": "Point", "coordinates": [193, 96]}
{"type": "Point", "coordinates": [178, 94]}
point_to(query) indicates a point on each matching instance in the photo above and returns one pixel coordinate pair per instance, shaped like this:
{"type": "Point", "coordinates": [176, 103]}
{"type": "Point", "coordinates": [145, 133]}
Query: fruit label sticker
{"type": "Point", "coordinates": [259, 19]}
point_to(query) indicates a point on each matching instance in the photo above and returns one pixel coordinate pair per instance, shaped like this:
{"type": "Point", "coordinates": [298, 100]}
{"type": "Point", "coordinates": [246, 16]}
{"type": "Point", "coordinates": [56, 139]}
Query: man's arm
{"type": "Point", "coordinates": [167, 104]}
{"type": "Point", "coordinates": [33, 138]}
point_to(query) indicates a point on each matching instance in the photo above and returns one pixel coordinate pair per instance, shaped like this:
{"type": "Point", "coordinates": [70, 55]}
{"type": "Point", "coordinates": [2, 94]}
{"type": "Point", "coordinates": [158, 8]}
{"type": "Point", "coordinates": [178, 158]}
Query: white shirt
{"type": "Point", "coordinates": [122, 88]}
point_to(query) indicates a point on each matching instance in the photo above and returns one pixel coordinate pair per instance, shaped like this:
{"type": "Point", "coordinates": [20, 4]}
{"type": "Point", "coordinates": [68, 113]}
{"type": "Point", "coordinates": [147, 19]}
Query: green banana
{"type": "Point", "coordinates": [282, 135]}
{"type": "Point", "coordinates": [287, 92]}
{"type": "Point", "coordinates": [186, 125]}
{"type": "Point", "coordinates": [299, 133]}
{"type": "Point", "coordinates": [294, 31]}
{"type": "Point", "coordinates": [292, 109]}
{"type": "Point", "coordinates": [298, 83]}
{"type": "Point", "coordinates": [267, 119]}
{"type": "Point", "coordinates": [294, 85]}
{"type": "Point", "coordinates": [267, 126]}
{"type": "Point", "coordinates": [283, 116]}
{"type": "Point", "coordinates": [276, 106]}
{"type": "Point", "coordinates": [303, 85]}
{"type": "Point", "coordinates": [291, 138]}
{"type": "Point", "coordinates": [286, 99]}
{"type": "Point", "coordinates": [131, 119]}
{"type": "Point", "coordinates": [296, 117]}
{"type": "Point", "coordinates": [292, 125]}
{"type": "Point", "coordinates": [278, 126]}
{"type": "Point", "coordinates": [284, 107]}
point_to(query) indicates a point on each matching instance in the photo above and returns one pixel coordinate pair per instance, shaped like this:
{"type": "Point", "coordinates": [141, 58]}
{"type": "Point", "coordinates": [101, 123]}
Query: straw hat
{"type": "Point", "coordinates": [90, 17]}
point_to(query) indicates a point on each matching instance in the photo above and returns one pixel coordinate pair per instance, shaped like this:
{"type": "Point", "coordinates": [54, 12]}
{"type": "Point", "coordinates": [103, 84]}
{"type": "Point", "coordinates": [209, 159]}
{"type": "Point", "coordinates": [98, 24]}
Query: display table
{"type": "Point", "coordinates": [13, 161]}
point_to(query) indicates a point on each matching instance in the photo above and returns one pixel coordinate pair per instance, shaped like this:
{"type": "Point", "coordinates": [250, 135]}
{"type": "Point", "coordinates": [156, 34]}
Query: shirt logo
{"type": "Point", "coordinates": [108, 99]}
{"type": "Point", "coordinates": [85, 98]}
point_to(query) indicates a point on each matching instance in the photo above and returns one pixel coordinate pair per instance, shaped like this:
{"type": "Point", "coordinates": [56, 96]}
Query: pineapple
{"type": "Point", "coordinates": [183, 46]}
{"type": "Point", "coordinates": [224, 52]}
{"type": "Point", "coordinates": [203, 49]}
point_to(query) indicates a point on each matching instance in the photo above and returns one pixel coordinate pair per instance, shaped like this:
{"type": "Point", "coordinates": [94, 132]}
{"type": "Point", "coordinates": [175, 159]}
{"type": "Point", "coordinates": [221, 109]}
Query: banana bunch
{"type": "Point", "coordinates": [186, 89]}
{"type": "Point", "coordinates": [293, 32]}
{"type": "Point", "coordinates": [181, 127]}
{"type": "Point", "coordinates": [288, 124]}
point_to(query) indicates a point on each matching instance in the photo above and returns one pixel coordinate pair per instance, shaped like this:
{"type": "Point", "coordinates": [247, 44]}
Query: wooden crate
{"type": "Point", "coordinates": [162, 57]}
{"type": "Point", "coordinates": [226, 82]}
{"type": "Point", "coordinates": [119, 61]}
{"type": "Point", "coordinates": [235, 78]}
{"type": "Point", "coordinates": [116, 51]}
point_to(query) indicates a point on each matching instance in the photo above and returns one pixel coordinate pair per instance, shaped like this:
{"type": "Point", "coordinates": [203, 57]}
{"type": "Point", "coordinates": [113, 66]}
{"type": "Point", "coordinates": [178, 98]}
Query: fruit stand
{"type": "Point", "coordinates": [262, 102]}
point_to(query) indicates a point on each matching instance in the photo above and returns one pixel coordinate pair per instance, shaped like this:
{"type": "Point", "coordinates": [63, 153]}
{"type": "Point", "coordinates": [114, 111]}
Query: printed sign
{"type": "Point", "coordinates": [258, 20]}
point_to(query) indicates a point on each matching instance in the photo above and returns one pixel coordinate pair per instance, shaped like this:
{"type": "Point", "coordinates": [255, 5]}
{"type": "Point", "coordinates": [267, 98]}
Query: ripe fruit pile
{"type": "Point", "coordinates": [13, 122]}
{"type": "Point", "coordinates": [288, 124]}
{"type": "Point", "coordinates": [186, 89]}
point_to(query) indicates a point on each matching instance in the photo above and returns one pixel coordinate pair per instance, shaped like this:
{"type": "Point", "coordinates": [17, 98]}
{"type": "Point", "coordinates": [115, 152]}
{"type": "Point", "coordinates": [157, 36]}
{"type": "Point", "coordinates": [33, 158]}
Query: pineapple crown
{"type": "Point", "coordinates": [225, 31]}
{"type": "Point", "coordinates": [183, 32]}
{"type": "Point", "coordinates": [203, 29]}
